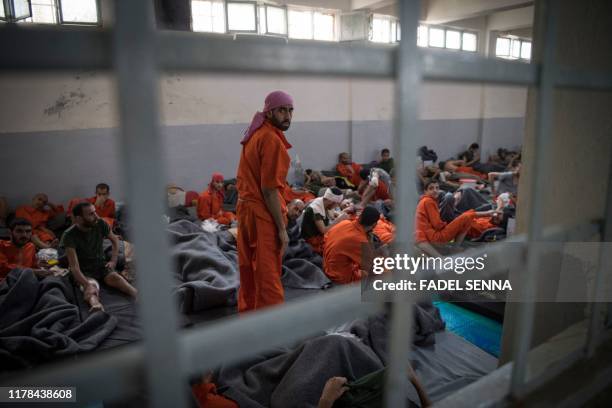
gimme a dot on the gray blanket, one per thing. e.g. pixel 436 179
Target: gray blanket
pixel 207 267
pixel 40 321
pixel 295 377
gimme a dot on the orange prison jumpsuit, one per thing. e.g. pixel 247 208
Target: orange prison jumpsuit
pixel 384 230
pixel 480 225
pixel 430 227
pixel 264 163
pixel 289 195
pixel 342 251
pixel 106 211
pixel 38 219
pixel 12 257
pixel 207 397
pixel 344 170
pixel 469 170
pixel 210 205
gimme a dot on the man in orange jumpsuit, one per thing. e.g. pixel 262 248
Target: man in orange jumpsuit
pixel 430 228
pixel 210 202
pixel 261 178
pixel 105 206
pixel 19 252
pixel 384 230
pixel 348 169
pixel 38 214
pixel 342 249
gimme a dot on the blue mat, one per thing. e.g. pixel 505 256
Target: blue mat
pixel 477 329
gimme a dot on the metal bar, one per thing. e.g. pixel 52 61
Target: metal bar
pixel 579 79
pixel 140 143
pixel 442 65
pixel 598 319
pixel 224 343
pixel 30 47
pixel 122 370
pixel 408 84
pixel 541 165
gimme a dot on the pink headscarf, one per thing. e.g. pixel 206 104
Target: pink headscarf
pixel 273 100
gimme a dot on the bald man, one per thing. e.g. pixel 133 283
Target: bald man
pixel 261 210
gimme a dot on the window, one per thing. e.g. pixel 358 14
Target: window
pixel 449 38
pixel 324 26
pixel 384 29
pixel 275 20
pixel 208 16
pixel 79 11
pixel 241 17
pixel 300 24
pixel 436 37
pixel 453 39
pixel 513 48
pixel 64 12
pixel 312 25
pixel 469 42
pixel 422 36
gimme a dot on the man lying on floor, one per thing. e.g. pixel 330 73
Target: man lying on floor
pixel 343 245
pixel 39 213
pixel 429 227
pixel 83 245
pixel 19 252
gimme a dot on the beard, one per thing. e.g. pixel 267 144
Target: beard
pixel 280 125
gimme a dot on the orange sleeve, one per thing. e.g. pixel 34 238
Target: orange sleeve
pixel 341 168
pixel 5 266
pixel 22 213
pixel 204 206
pixel 433 215
pixel 274 164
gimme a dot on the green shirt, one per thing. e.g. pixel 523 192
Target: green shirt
pixel 88 245
pixel 386 165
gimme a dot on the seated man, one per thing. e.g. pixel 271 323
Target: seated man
pixel 386 161
pixel 375 186
pixel 294 210
pixel 508 181
pixel 429 227
pixel 210 202
pixel 292 193
pixel 348 169
pixel 39 213
pixel 342 248
pixel 384 230
pixel 19 252
pixel 83 244
pixel 105 206
pixel 318 219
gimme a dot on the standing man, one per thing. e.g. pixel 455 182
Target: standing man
pixel 261 178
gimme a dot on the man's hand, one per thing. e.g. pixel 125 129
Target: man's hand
pixel 334 388
pixel 54 243
pixel 283 237
pixel 111 265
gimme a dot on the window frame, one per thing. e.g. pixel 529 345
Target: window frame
pixel 9 11
pixel 512 38
pixel 334 28
pixel 60 16
pixel 256 9
pixel 460 30
pixel 285 11
pixel 393 36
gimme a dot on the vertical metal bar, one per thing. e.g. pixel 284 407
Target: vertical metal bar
pixel 541 163
pixel 134 51
pixel 597 320
pixel 408 84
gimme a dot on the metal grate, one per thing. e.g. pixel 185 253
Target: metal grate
pixel 136 52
